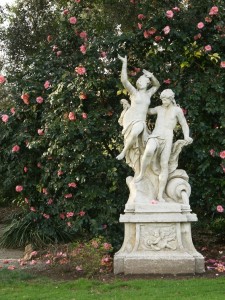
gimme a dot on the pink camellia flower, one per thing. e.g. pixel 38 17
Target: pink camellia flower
pixel 158 38
pixel 25 169
pixel 141 16
pixel 25 97
pixel 34 253
pixel 72 184
pixel 212 152
pixel 176 8
pixel 70 214
pixel 184 111
pixel 167 81
pixel 45 191
pixel 50 201
pixel 208 19
pixel 84 116
pixel 81 213
pixel 73 20
pixel 139 25
pixel 79 268
pixel 48 262
pixel 200 25
pixel 83 49
pixel 5 118
pixel 59 53
pixel 153 202
pixel 16 148
pixel 46 216
pixel 197 36
pixel 83 35
pixel 49 38
pixel 67 196
pixel 80 70
pixel 220 208
pixel 69 224
pixel 54 48
pixel 40 131
pixel 103 54
pixel 169 14
pixel 107 246
pixel 39 100
pixel 77 1
pixel 222 64
pixel 222 154
pixel 2 79
pixel 214 11
pixel 60 172
pixel 208 48
pixel 6 261
pixel 11 267
pixel 33 209
pixel 166 30
pixel 152 31
pixel 146 34
pixel 72 116
pixel 33 262
pixel 82 96
pixel 47 84
pixel 62 216
pixel 65 12
pixel 13 111
pixel 19 188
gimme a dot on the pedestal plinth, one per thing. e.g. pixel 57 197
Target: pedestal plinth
pixel 158 240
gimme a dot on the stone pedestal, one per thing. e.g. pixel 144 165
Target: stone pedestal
pixel 158 240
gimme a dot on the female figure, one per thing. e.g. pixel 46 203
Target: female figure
pixel 134 119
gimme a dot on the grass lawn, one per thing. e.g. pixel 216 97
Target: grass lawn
pixel 20 285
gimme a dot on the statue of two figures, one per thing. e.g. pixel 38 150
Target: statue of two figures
pixel 153 156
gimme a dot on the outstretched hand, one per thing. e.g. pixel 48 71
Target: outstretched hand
pixel 123 59
pixel 189 140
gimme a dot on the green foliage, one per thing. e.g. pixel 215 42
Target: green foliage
pixel 66 164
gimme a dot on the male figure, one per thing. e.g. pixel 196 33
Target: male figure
pixel 161 139
pixel 135 116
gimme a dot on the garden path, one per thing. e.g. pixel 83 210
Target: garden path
pixel 9 253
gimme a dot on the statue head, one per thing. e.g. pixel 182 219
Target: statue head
pixel 169 95
pixel 143 82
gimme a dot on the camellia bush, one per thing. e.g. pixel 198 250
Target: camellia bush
pixel 60 139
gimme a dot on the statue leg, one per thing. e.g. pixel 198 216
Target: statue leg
pixel 163 176
pixel 147 157
pixel 131 139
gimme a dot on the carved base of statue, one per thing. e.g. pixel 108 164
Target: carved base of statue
pixel 158 240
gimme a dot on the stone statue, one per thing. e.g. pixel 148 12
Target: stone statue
pixel 157 216
pixel 161 139
pixel 133 117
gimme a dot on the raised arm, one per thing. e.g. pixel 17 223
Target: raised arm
pixel 124 79
pixel 154 81
pixel 184 125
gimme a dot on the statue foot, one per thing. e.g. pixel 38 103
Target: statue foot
pixel 120 156
pixel 160 199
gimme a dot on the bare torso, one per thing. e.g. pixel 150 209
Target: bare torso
pixel 140 102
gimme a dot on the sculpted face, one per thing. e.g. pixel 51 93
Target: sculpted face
pixel 167 96
pixel 142 82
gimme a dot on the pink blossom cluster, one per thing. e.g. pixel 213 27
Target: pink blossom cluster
pixel 2 79
pixel 5 118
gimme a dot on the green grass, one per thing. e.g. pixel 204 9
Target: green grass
pixel 20 285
